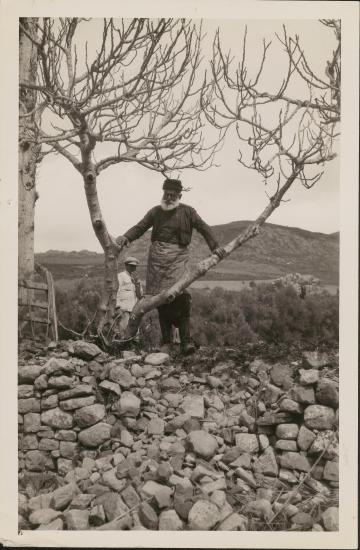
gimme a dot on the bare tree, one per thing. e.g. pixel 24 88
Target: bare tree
pixel 134 99
pixel 28 150
pixel 285 139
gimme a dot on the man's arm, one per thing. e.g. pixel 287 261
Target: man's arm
pixel 204 230
pixel 139 229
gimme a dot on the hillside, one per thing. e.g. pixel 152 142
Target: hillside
pixel 277 251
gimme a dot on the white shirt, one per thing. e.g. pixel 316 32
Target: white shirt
pixel 126 296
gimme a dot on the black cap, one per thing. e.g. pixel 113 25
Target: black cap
pixel 172 185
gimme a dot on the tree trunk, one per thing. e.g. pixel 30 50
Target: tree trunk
pixel 28 151
pixel 108 301
pixel 147 304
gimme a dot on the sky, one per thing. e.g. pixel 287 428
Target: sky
pixel 224 193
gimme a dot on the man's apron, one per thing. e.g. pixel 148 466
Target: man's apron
pixel 167 262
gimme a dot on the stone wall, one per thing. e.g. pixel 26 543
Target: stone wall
pixel 150 442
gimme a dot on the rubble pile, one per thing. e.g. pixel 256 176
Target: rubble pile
pixel 146 441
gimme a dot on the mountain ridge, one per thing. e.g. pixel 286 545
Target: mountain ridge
pixel 278 250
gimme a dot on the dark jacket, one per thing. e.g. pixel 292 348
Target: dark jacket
pixel 188 219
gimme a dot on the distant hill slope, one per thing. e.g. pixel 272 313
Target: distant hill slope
pixel 276 251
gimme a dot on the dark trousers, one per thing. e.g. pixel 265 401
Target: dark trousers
pixel 177 314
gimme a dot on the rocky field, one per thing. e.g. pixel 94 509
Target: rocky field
pixel 146 441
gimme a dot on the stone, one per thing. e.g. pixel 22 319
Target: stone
pixel 302 394
pixel 260 508
pixel 110 480
pixel 305 438
pixel 170 383
pixel 214 381
pixel 281 375
pixel 271 394
pixel 161 493
pixel 319 417
pixel 330 519
pixel 86 350
pixel 287 476
pixel 62 496
pixel 294 461
pixel 246 476
pixel 56 418
pixel 286 445
pixel 90 415
pixel 308 376
pixel 58 366
pixel 234 522
pixel 80 390
pixel 40 383
pixel 28 442
pixel 247 443
pixel 43 516
pixel 156 426
pixel 302 520
pixel 211 486
pixel 64 466
pixel 266 463
pixel 110 386
pixel 287 431
pixel 97 515
pixel 327 393
pixel 82 501
pixel 203 516
pixel 95 435
pixel 243 461
pixel 30 404
pixel 126 439
pixel 331 471
pixel 113 505
pixel 148 516
pixel 68 449
pixel 130 496
pixel 122 376
pixel 273 418
pixel 77 520
pixel 193 405
pixel 325 441
pixel 61 382
pixel 202 443
pixel 170 521
pixel 129 404
pixel 156 359
pixel 36 461
pixel 315 359
pixel 174 399
pixel 245 419
pixel 28 373
pixel 66 435
pixel 77 403
pixel 25 390
pixel 31 422
pixel 48 444
pixel 50 402
pixel 55 525
pixel 290 405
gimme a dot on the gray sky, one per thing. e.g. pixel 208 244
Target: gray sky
pixel 222 194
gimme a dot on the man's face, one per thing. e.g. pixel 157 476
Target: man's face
pixel 130 268
pixel 171 197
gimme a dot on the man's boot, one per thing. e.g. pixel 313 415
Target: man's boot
pixel 166 330
pixel 186 346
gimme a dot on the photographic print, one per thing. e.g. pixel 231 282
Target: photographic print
pixel 179 226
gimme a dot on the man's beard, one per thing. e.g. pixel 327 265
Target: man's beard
pixel 169 206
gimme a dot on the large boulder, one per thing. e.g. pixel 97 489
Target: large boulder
pixel 86 350
pixel 87 416
pixel 319 417
pixel 56 418
pixel 203 516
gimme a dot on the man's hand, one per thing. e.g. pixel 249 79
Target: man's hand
pixel 220 252
pixel 118 243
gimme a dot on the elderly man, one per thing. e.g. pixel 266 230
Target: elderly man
pixel 129 292
pixel 172 224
